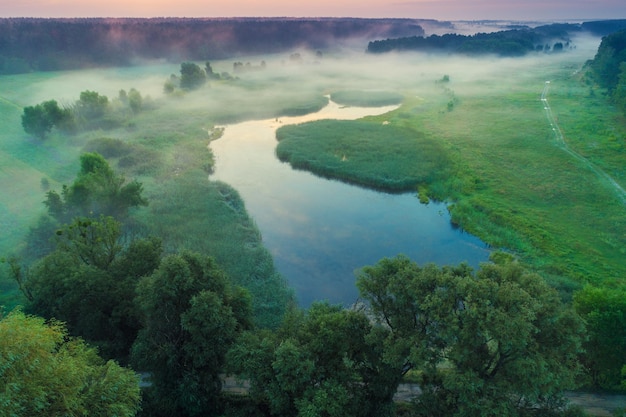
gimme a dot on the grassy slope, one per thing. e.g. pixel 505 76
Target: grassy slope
pixel 513 184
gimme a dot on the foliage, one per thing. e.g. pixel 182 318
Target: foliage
pixel 87 43
pixel 44 372
pixel 91 105
pixel 604 312
pixel 191 317
pixel 609 67
pixel 192 76
pixel 610 55
pixel 89 281
pixel 496 342
pixel 325 362
pixel 39 120
pixel 362 152
pixel 96 190
pixel 515 42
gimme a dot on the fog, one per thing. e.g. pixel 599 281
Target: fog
pixel 282 79
pixel 266 93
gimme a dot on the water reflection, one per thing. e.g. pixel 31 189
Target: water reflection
pixel 321 231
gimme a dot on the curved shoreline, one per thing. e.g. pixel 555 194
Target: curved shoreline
pixel 319 231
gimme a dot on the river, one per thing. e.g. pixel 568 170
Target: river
pixel 321 231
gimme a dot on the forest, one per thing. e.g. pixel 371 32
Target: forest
pixel 28 44
pixel 514 42
pixel 143 286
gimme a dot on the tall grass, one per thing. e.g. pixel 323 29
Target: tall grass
pixel 363 152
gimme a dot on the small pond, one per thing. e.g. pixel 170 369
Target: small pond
pixel 321 231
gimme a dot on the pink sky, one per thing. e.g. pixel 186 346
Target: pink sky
pixel 427 9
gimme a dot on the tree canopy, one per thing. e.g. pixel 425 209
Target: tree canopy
pixel 191 316
pixel 192 76
pixel 604 312
pixel 493 343
pixel 44 372
pixel 39 120
pixel 89 282
pixel 96 190
pixel 327 361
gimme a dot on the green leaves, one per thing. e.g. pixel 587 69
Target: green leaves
pixel 604 312
pixel 481 341
pixel 97 190
pixel 326 361
pixel 191 318
pixel 39 120
pixel 42 371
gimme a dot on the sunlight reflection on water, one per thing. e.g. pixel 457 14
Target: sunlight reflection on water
pixel 320 231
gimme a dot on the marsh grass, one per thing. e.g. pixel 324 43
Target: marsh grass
pixel 363 152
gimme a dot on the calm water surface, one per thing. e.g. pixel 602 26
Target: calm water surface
pixel 320 231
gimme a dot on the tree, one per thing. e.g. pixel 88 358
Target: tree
pixel 92 105
pixel 619 94
pixel 604 312
pixel 135 101
pixel 494 343
pixel 39 120
pixel 191 76
pixel 96 190
pixel 191 316
pixel 45 372
pixel 211 75
pixel 325 362
pixel 89 282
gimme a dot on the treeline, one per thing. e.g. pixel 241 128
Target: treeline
pixel 604 27
pixel 55 44
pixel 515 42
pixel 91 111
pixel 609 67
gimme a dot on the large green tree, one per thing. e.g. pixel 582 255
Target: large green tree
pixel 604 311
pixel 89 282
pixel 191 316
pixel 39 120
pixel 96 190
pixel 43 372
pixel 192 76
pixel 493 343
pixel 327 361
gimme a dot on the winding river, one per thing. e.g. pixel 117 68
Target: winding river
pixel 321 231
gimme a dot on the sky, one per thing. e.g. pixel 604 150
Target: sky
pixel 421 9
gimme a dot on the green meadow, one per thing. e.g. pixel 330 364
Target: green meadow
pixel 470 132
pixel 482 142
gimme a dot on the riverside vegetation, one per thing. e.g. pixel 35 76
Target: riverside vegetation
pixel 495 161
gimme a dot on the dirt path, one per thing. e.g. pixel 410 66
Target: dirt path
pixel 558 135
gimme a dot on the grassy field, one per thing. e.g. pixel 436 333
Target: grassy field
pixel 510 182
pixel 371 154
pixel 479 140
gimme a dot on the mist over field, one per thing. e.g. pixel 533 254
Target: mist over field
pixel 321 216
